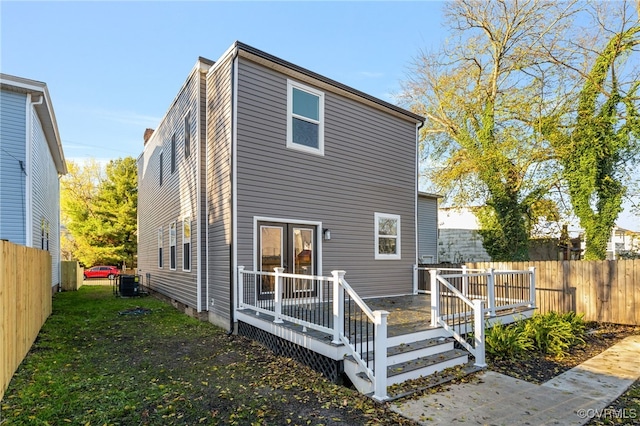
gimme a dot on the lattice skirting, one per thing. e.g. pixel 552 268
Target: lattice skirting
pixel 330 368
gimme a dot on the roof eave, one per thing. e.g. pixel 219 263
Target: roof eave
pixel 256 53
pixel 45 113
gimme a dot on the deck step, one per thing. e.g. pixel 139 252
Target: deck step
pixel 412 369
pixel 421 348
pixel 425 365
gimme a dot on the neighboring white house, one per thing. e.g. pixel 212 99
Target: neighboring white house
pixel 31 162
pixel 458 239
pixel 623 242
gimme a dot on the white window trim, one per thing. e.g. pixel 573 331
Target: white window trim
pixel 290 144
pixel 160 246
pixel 173 243
pixel 185 241
pixel 187 135
pixel 382 256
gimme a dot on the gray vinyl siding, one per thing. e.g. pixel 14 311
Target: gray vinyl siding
pixel 368 166
pixel 45 197
pixel 428 229
pixel 160 205
pixel 219 133
pixel 12 177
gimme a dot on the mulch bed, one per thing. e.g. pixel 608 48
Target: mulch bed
pixel 539 369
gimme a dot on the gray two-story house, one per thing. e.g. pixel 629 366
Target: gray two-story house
pixel 261 163
pixel 273 200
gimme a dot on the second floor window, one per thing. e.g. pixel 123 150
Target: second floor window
pixel 187 135
pixel 173 153
pixel 305 118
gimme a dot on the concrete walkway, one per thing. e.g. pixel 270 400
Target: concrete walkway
pixel 572 398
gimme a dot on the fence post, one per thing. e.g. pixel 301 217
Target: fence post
pixel 278 295
pixel 240 288
pixel 338 307
pixel 478 332
pixel 465 281
pixel 532 287
pixel 380 361
pixel 415 279
pixel 491 292
pixel 435 297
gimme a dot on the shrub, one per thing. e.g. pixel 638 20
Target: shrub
pixel 552 333
pixel 506 341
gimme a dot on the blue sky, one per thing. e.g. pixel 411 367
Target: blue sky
pixel 113 68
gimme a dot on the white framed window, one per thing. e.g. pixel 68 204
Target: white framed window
pixel 186 244
pixel 172 246
pixel 160 169
pixel 305 118
pixel 173 153
pixel 160 262
pixel 187 135
pixel 387 236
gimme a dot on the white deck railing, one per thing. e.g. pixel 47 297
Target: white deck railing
pixel 462 298
pixel 326 304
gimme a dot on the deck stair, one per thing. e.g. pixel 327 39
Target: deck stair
pixel 411 356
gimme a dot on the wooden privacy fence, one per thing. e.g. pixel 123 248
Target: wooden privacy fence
pixel 604 291
pixel 25 303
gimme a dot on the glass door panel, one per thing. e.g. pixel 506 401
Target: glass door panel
pixel 271 254
pixel 288 246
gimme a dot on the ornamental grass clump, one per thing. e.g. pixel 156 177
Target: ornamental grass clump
pixel 506 341
pixel 551 334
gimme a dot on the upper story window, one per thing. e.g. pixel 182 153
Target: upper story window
pixel 187 135
pixel 387 236
pixel 305 118
pixel 173 153
pixel 160 170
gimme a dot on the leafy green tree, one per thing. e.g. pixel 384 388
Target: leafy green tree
pixel 599 139
pixel 99 211
pixel 78 189
pixel 116 205
pixel 483 94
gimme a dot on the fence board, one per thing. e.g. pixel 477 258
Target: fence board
pixel 25 303
pixel 604 291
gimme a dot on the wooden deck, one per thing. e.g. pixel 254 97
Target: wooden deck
pixel 407 314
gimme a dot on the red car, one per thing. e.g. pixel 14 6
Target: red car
pixel 101 272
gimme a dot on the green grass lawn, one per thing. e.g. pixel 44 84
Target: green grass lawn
pixel 96 363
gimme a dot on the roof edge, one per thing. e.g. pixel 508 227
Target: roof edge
pixel 276 60
pixel 45 112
